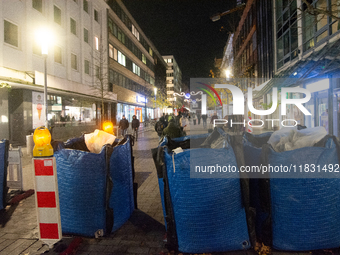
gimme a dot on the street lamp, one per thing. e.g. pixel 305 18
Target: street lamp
pixel 44 38
pixel 227 73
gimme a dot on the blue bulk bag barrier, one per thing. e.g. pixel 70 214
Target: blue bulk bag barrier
pixel 121 172
pixel 191 140
pixel 203 214
pixel 209 214
pixel 305 213
pixel 4 146
pixel 82 191
pixel 252 149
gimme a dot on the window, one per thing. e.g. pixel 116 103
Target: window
pixel 316 28
pixel 96 16
pixel 74 63
pixel 110 51
pixel 150 51
pixel 73 27
pixel 121 58
pixel 87 67
pixel 37 48
pixel 113 52
pixel 86 35
pixel 121 36
pixel 37 4
pixel 57 15
pixel 143 59
pixel 96 42
pixel 86 6
pixel 135 32
pixel 11 33
pixel 287 32
pixel 57 55
pixel 136 69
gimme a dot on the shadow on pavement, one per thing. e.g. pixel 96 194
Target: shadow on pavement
pixel 146 223
pixel 5 215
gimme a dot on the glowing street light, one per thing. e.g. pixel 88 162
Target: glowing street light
pixel 44 37
pixel 227 73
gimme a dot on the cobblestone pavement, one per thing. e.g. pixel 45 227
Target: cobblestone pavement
pixel 142 234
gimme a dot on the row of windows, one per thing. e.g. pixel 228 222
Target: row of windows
pixel 11 35
pixel 118 33
pixel 123 60
pixel 122 81
pixel 125 19
pixel 38 5
pixel 314 28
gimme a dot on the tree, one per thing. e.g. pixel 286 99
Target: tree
pixel 100 82
pixel 161 100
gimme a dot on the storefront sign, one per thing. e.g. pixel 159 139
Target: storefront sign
pixel 141 99
pixel 38 110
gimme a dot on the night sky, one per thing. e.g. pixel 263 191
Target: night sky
pixel 183 28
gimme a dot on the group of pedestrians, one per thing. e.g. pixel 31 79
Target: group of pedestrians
pixel 124 125
pixel 172 126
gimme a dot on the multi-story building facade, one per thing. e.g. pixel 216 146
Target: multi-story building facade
pixel 100 65
pixel 79 34
pixel 306 47
pixel 133 64
pixel 173 77
pixel 253 44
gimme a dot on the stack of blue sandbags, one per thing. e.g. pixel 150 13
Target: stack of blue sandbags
pixel 95 190
pixel 303 211
pixel 203 213
pixel 4 146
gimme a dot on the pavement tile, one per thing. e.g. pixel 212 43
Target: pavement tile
pixel 19 246
pixel 5 244
pixel 136 250
pixel 116 249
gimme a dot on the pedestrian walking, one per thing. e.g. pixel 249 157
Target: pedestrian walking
pixel 214 117
pixel 204 119
pixel 172 130
pixel 183 123
pixel 198 118
pixel 194 119
pixel 123 125
pixel 135 126
pixel 159 126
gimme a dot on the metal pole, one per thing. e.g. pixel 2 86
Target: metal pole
pixel 45 90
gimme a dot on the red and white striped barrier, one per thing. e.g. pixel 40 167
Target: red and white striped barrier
pixel 250 128
pixel 47 200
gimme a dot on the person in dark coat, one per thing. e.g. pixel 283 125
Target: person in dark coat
pixel 198 118
pixel 135 126
pixel 123 125
pixel 159 126
pixel 166 118
pixel 172 130
pixel 204 118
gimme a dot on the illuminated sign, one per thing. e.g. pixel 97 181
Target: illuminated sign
pixel 141 99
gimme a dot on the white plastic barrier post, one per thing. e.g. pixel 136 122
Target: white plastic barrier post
pixel 47 200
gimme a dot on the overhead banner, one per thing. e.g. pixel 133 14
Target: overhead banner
pixel 38 110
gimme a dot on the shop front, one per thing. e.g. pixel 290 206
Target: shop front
pixel 68 115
